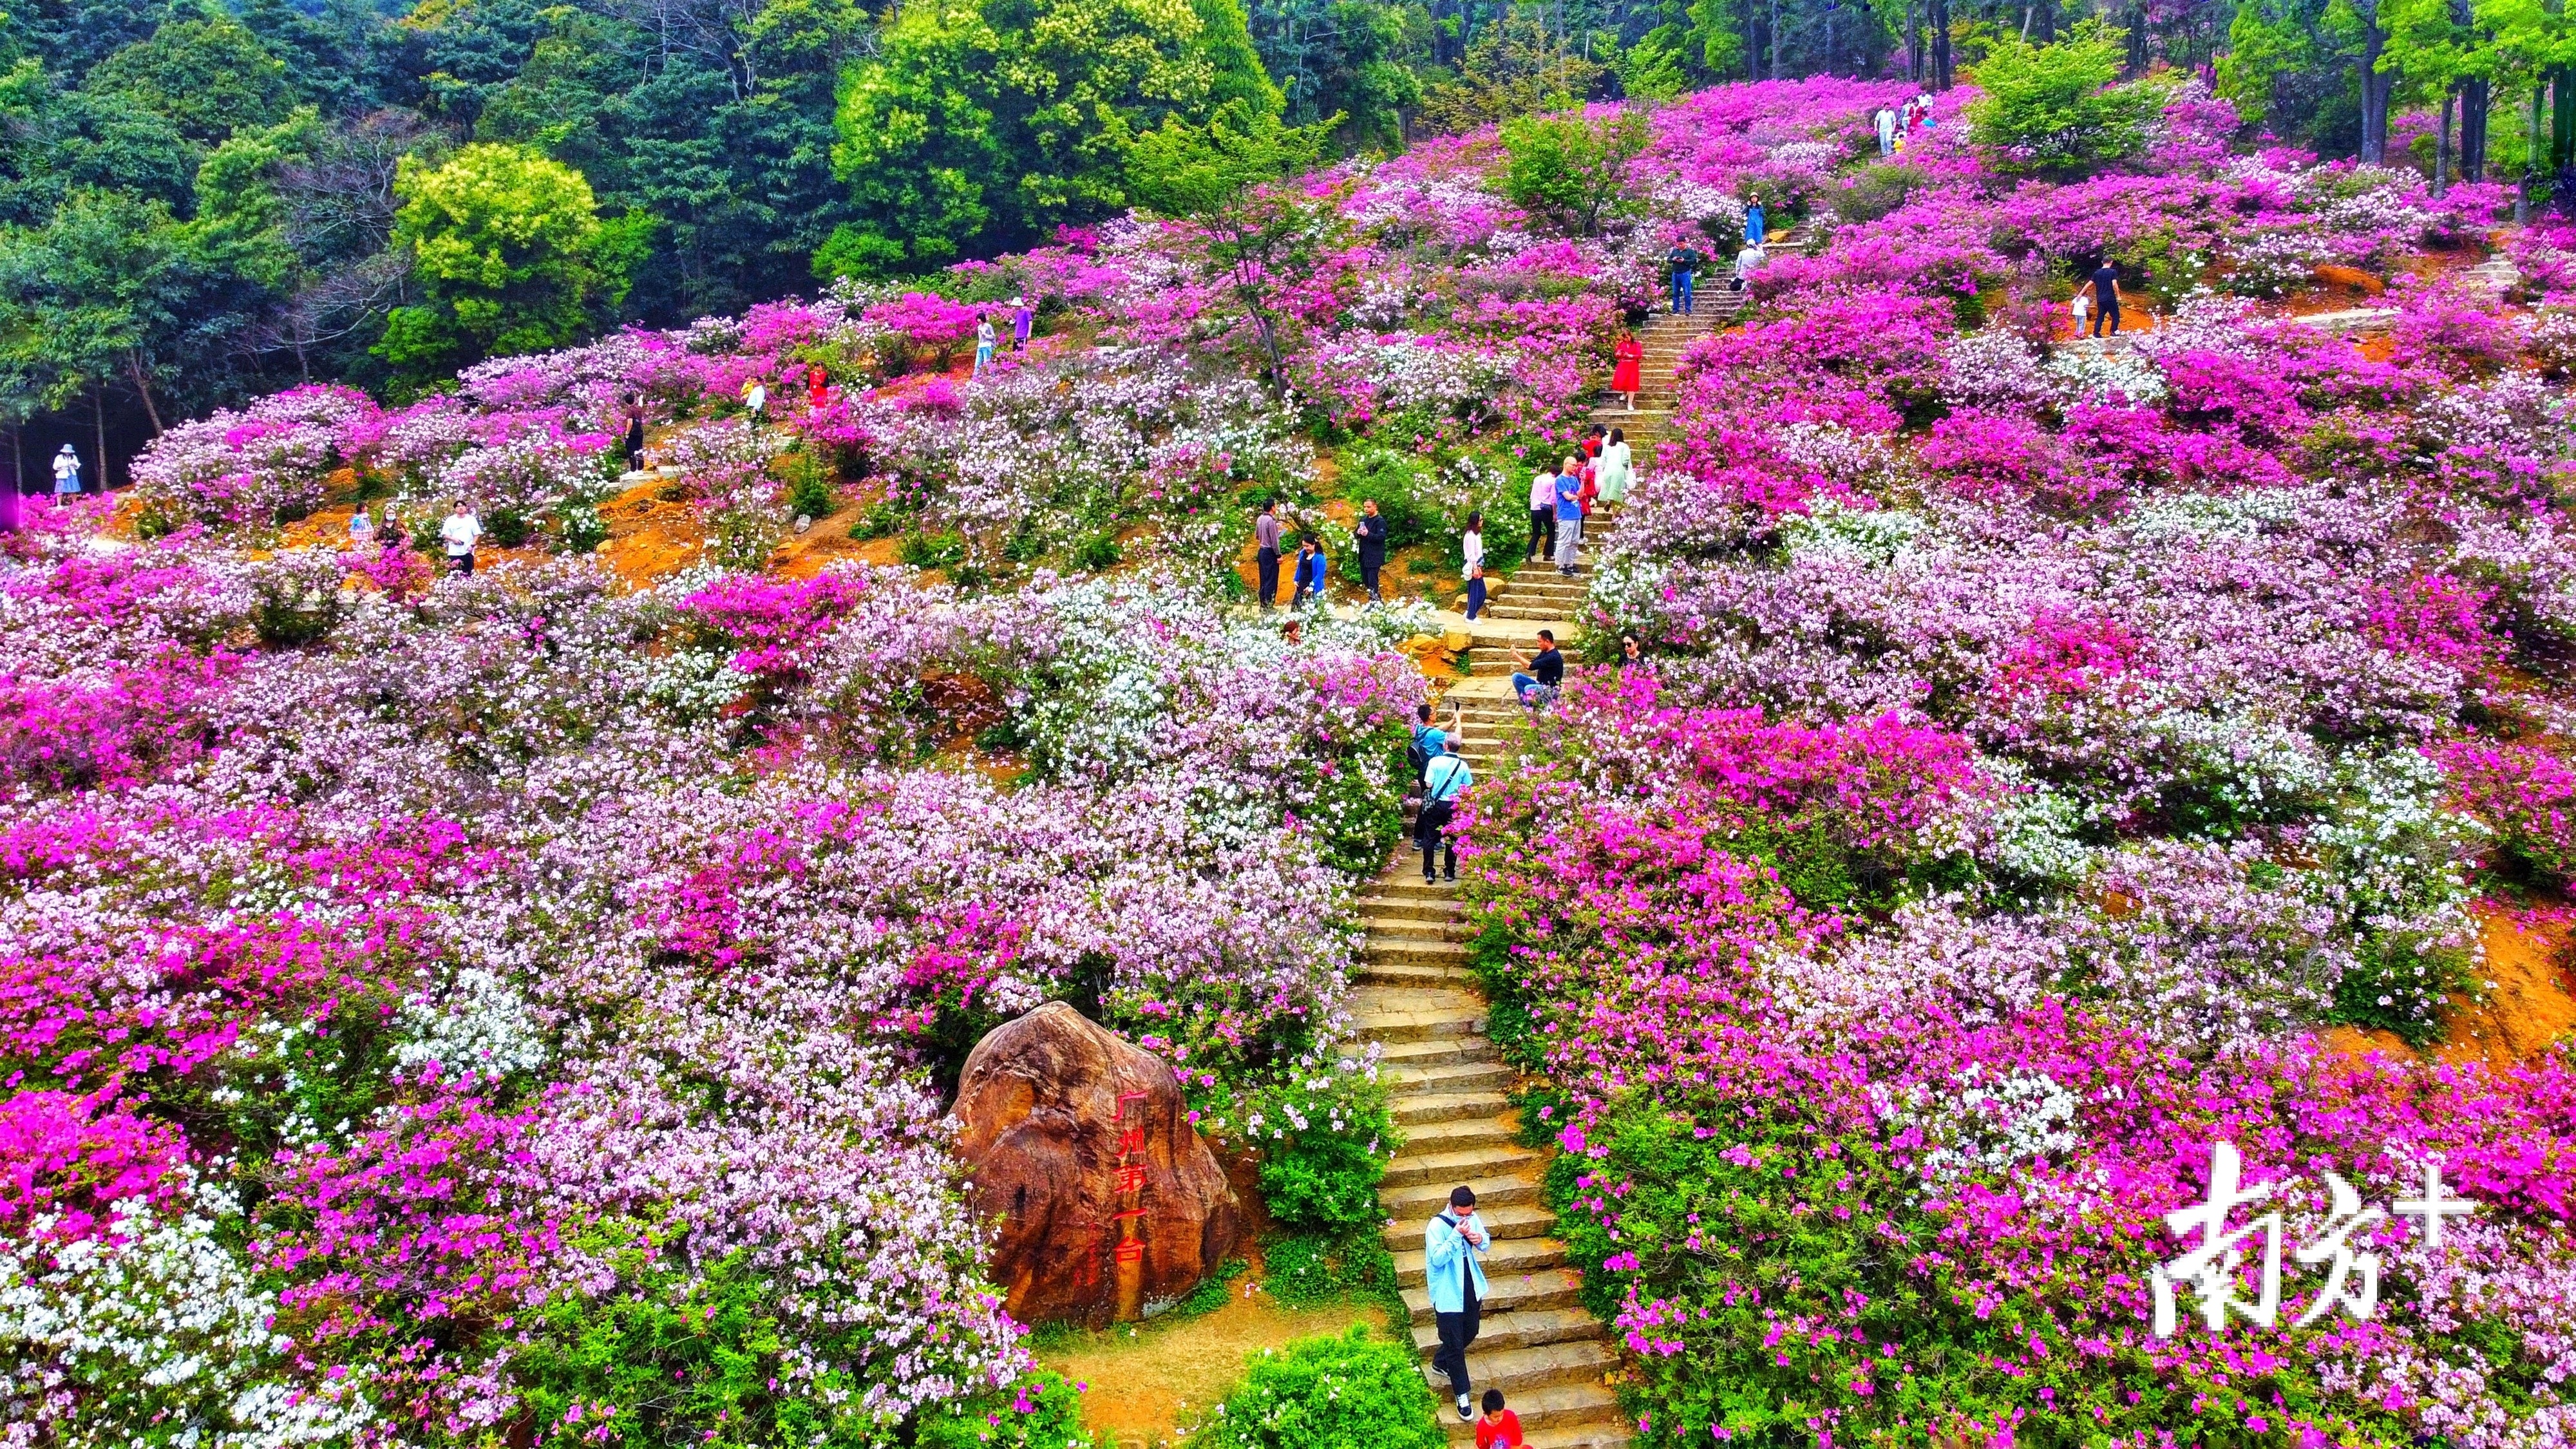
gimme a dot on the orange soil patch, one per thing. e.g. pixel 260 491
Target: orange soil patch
pixel 2530 1005
pixel 651 537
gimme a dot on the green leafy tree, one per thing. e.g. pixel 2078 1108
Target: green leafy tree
pixel 2535 46
pixel 70 36
pixel 979 124
pixel 2054 110
pixel 1258 238
pixel 509 250
pixel 206 75
pixel 1571 172
pixel 115 292
pixel 1517 67
pixel 58 142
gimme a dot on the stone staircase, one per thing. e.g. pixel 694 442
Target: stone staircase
pixel 1537 591
pixel 1538 1344
pixel 1665 337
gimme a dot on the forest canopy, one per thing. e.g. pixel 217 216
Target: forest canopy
pixel 203 199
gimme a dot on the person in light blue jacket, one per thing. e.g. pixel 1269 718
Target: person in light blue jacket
pixel 1453 1270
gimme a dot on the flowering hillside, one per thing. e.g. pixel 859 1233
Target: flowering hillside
pixel 519 1007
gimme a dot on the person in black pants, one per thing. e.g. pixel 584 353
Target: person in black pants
pixel 1370 531
pixel 1265 532
pixel 2106 297
pixel 1453 1274
pixel 1443 781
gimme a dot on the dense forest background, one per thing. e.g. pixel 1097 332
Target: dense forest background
pixel 200 200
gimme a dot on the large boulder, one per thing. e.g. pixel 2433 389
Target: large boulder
pixel 1110 1207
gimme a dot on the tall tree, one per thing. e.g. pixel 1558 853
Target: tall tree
pixel 510 254
pixel 979 124
pixel 1258 238
pixel 205 75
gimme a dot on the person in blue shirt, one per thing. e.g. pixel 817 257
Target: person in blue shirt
pixel 1453 1271
pixel 1443 781
pixel 1569 514
pixel 1310 571
pixel 1757 226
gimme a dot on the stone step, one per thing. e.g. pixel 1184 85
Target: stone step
pixel 1514 1262
pixel 1516 1326
pixel 1439 1079
pixel 1404 883
pixel 1438 1049
pixel 1517 1190
pixel 1383 908
pixel 1555 1408
pixel 1375 1001
pixel 1413 973
pixel 1521 1368
pixel 1431 925
pixel 1417 949
pixel 1432 1158
pixel 1546 1290
pixel 1504 1222
pixel 1607 1434
pixel 1425 1111
pixel 1501 1131
pixel 1419 1025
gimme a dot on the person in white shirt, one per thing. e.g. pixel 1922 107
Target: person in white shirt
pixel 66 471
pixel 1618 462
pixel 1747 262
pixel 1471 544
pixel 755 397
pixel 459 534
pixel 1886 131
pixel 1542 514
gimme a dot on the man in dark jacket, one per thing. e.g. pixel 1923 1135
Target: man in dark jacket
pixel 1370 532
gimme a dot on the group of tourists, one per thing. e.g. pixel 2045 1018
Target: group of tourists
pixel 1898 124
pixel 1561 498
pixel 1683 262
pixel 988 337
pixel 1312 568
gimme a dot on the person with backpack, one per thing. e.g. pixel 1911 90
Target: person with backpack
pixel 1453 1269
pixel 1443 781
pixel 1428 741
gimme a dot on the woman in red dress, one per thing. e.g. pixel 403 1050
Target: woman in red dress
pixel 1631 359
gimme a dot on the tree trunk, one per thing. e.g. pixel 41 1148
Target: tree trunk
pixel 98 414
pixel 2374 93
pixel 1913 45
pixel 2047 11
pixel 134 369
pixel 2442 149
pixel 2474 101
pixel 1940 45
pixel 2530 161
pixel 2562 137
pixel 1775 39
pixel 2137 41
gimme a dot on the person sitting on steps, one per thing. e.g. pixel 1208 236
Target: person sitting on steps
pixel 1545 671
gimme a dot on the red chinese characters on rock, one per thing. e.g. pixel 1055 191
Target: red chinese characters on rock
pixel 1108 1205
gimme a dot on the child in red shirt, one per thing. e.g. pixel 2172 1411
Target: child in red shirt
pixel 1500 1428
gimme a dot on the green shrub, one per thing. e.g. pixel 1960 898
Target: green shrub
pixel 1325 1141
pixel 932 550
pixel 1098 551
pixel 1400 490
pixel 508 526
pixel 811 493
pixel 1571 172
pixel 2053 110
pixel 1348 1392
pixel 1044 1412
pixel 1304 1269
pixel 878 520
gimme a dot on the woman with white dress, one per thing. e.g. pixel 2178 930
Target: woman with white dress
pixel 1617 464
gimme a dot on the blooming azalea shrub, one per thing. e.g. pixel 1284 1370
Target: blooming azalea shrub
pixel 1350 1389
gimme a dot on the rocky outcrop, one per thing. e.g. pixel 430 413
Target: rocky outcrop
pixel 1109 1205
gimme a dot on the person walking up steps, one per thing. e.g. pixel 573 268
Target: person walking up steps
pixel 1682 261
pixel 1569 514
pixel 1627 367
pixel 1542 514
pixel 1443 781
pixel 1453 1268
pixel 1618 464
